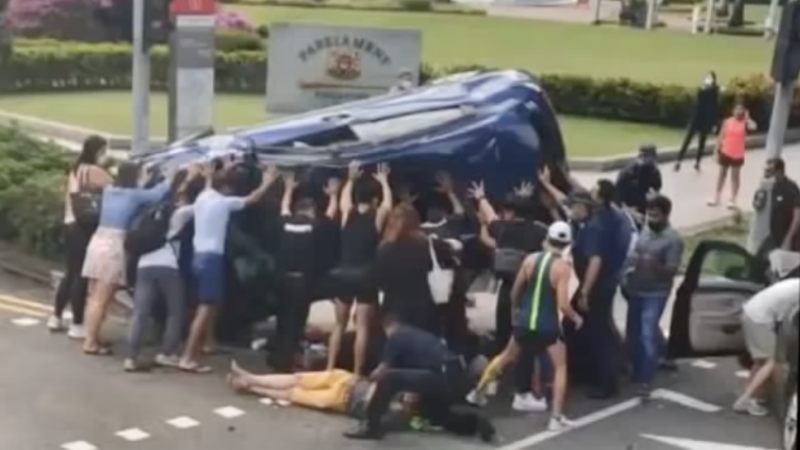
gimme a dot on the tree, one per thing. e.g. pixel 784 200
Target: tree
pixel 5 35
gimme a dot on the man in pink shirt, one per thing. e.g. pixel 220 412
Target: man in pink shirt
pixel 730 152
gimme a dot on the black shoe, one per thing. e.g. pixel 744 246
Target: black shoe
pixel 677 167
pixel 363 432
pixel 645 392
pixel 486 431
pixel 602 394
pixel 668 365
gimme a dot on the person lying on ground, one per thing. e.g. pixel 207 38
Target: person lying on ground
pixel 335 390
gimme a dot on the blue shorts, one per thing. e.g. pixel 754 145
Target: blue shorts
pixel 208 271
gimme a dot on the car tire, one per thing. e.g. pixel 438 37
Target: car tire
pixel 790 424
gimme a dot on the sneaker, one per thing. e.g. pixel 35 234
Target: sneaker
pixel 167 361
pixel 751 407
pixel 76 332
pixel 477 398
pixel 559 423
pixel 486 431
pixel 492 388
pixel 645 392
pixel 56 325
pixel 528 403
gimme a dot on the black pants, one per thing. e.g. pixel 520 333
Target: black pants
pixel 702 134
pixel 603 344
pixel 438 393
pixel 72 289
pixel 293 310
pixel 502 317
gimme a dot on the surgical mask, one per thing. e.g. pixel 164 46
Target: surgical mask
pixel 708 81
pixel 656 226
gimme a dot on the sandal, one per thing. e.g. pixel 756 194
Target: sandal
pixel 195 368
pixel 99 351
pixel 172 362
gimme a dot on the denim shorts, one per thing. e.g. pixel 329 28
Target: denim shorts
pixel 208 271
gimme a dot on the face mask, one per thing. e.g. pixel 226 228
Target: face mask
pixel 656 226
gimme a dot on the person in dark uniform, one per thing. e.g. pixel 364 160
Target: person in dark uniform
pixel 704 118
pixel 417 362
pixel 365 204
pixel 640 179
pixel 303 231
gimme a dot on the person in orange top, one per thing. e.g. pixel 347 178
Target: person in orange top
pixel 730 152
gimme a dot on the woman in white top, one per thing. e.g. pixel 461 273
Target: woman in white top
pixel 86 174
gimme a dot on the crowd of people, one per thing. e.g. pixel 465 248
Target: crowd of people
pixel 403 261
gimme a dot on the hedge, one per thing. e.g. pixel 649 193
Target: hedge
pixel 424 6
pixel 108 66
pixel 31 193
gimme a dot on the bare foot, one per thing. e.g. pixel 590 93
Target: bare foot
pixel 237 383
pixel 237 370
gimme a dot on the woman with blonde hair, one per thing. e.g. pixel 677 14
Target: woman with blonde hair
pixel 106 260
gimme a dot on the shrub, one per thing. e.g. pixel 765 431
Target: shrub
pixel 232 20
pixel 57 19
pixel 31 192
pixel 417 5
pixel 107 66
pixel 237 40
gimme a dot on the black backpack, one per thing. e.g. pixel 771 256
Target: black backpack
pixel 148 231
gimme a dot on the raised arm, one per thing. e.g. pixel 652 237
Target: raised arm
pixel 446 187
pixel 546 183
pixel 485 236
pixel 289 186
pixel 478 192
pixel 332 191
pixel 387 202
pixel 268 177
pixel 346 196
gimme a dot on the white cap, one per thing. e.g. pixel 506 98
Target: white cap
pixel 560 232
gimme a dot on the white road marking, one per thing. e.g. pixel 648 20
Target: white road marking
pixel 133 435
pixel 229 412
pixel 703 364
pixel 585 421
pixel 267 401
pixel 744 374
pixel 79 445
pixel 183 423
pixel 283 403
pixel 26 322
pixel 685 400
pixel 691 444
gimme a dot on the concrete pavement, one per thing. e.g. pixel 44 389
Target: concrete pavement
pixel 54 397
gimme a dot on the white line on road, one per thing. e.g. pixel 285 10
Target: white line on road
pixel 26 322
pixel 685 400
pixel 79 445
pixel 585 421
pixel 183 423
pixel 703 364
pixel 133 435
pixel 229 412
pixel 744 374
pixel 691 444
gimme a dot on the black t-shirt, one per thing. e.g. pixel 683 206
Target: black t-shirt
pixel 400 270
pixel 785 199
pixel 301 239
pixel 521 235
pixel 360 239
pixel 412 348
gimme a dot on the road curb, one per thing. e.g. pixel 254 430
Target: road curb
pixel 64 132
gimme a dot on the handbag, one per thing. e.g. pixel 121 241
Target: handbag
pixel 440 280
pixel 85 203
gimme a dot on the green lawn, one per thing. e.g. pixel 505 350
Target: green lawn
pixel 111 112
pixel 735 232
pixel 549 47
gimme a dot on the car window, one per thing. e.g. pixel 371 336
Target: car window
pixel 731 265
pixel 410 123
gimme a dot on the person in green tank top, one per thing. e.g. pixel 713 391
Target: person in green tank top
pixel 540 297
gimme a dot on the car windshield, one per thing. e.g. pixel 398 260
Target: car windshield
pixel 411 123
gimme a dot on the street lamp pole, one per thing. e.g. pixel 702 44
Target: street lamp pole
pixel 140 141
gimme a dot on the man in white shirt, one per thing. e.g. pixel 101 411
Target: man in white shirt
pixel 760 320
pixel 212 211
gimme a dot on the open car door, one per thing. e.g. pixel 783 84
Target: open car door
pixel 706 320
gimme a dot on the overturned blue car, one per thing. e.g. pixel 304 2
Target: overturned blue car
pixel 498 127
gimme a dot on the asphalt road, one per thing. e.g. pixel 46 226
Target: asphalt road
pixel 52 397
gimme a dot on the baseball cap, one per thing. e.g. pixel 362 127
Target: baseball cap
pixel 560 232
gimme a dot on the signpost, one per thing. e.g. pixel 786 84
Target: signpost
pixel 140 141
pixel 315 66
pixel 192 50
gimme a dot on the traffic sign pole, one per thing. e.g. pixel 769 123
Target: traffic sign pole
pixel 140 141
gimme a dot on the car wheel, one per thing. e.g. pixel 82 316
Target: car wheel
pixel 790 425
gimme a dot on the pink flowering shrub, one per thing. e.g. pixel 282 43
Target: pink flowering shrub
pixel 57 19
pixel 75 20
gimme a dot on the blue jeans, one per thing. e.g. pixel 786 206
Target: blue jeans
pixel 644 333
